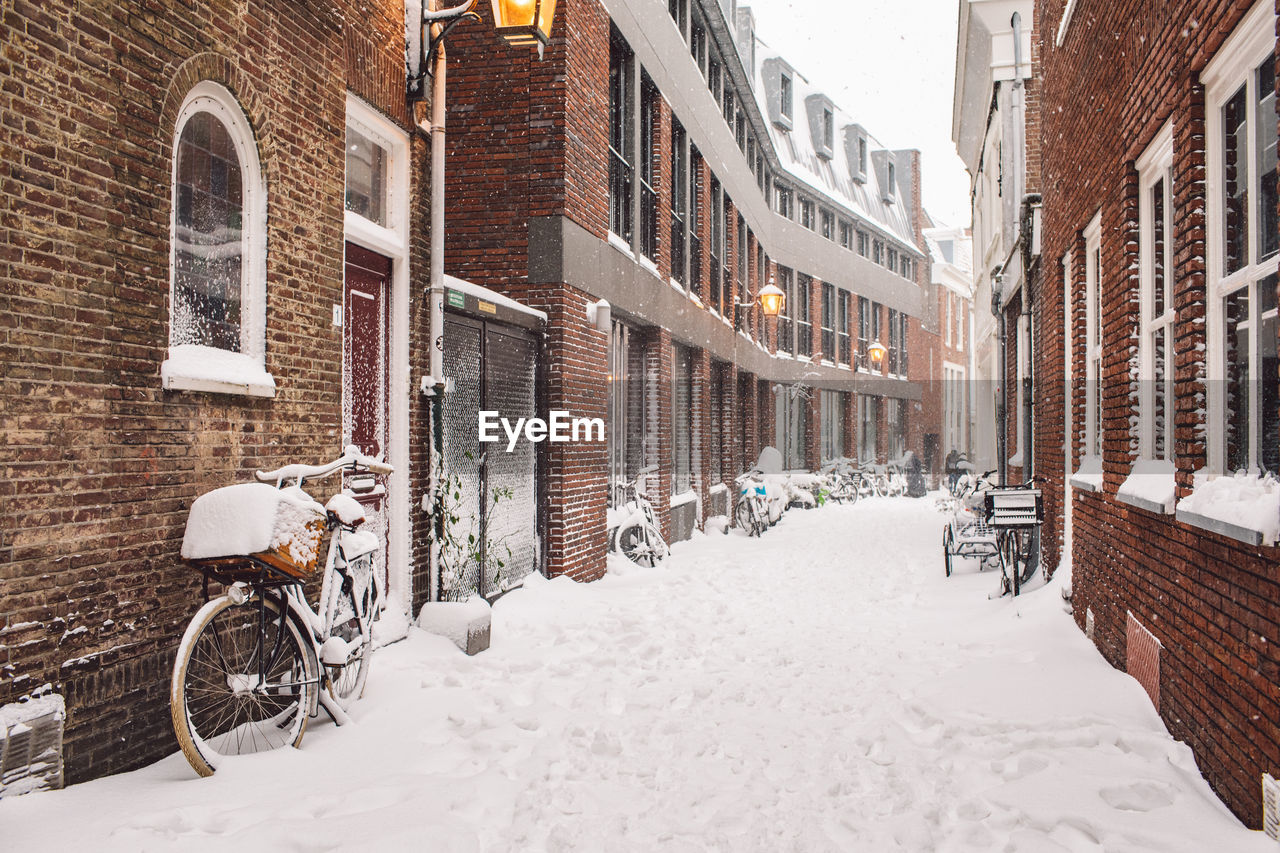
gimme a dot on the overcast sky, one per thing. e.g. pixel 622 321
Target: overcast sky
pixel 891 65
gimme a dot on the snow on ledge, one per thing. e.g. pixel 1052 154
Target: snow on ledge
pixel 192 367
pixel 1150 486
pixel 464 286
pixel 1088 477
pixel 1245 507
pixel 684 498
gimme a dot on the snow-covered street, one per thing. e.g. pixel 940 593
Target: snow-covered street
pixel 823 688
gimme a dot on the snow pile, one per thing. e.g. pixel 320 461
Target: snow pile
pixel 1245 500
pixel 823 688
pixel 210 364
pixel 458 621
pixel 250 518
pixel 1151 480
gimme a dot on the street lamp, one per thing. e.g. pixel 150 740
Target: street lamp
pixel 877 353
pixel 772 299
pixel 523 22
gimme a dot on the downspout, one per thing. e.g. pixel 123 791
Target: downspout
pixel 997 308
pixel 1020 182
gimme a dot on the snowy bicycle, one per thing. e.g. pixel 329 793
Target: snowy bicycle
pixel 1016 514
pixel 256 662
pixel 752 510
pixel 632 523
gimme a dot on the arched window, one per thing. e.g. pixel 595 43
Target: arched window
pixel 217 295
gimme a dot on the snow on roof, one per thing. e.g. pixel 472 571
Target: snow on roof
pixel 961 247
pixel 831 177
pixel 464 286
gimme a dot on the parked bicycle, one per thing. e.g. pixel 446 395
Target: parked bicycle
pixel 752 510
pixel 633 525
pixel 256 662
pixel 842 480
pixel 1016 512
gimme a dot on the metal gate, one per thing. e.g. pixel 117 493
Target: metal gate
pixel 492 542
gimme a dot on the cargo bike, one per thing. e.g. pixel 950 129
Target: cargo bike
pixel 257 661
pixel 999 527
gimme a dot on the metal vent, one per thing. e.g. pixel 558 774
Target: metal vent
pixel 1088 622
pixel 1270 806
pixel 1142 657
pixel 31 745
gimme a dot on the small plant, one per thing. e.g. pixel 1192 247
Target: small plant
pixel 462 549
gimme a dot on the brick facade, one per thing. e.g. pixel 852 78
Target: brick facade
pixel 1122 72
pixel 100 463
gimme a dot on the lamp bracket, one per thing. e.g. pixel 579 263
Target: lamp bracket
pixel 450 18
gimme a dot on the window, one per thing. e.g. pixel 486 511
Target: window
pixel 726 274
pixel 806 214
pixel 846 235
pixel 682 454
pixel 698 43
pixel 828 131
pixel 679 11
pixel 1243 241
pixel 892 182
pixel 743 269
pixel 784 202
pixel 713 74
pixel 628 393
pixel 947 331
pixel 218 250
pixel 842 328
pixel 863 243
pixel 727 102
pixel 717 247
pixel 695 221
pixel 864 331
pixel 831 412
pixel 903 319
pixel 827 221
pixel 828 322
pixel 741 124
pixel 897 428
pixel 784 96
pixel 862 155
pixel 786 337
pixel 621 144
pixel 648 156
pixel 804 320
pixel 1093 339
pixel 960 305
pixel 679 196
pixel 1155 276
pixel 868 422
pixel 891 259
pixel 877 252
pixel 893 341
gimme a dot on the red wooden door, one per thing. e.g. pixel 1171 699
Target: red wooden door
pixel 365 356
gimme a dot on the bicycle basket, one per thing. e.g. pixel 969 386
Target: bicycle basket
pixel 281 528
pixel 1014 507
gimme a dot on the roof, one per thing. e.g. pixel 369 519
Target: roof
pixel 830 178
pixel 956 273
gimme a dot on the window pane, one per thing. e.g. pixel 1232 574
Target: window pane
pixel 1235 425
pixel 1159 418
pixel 1269 378
pixel 1268 236
pixel 208 211
pixel 1157 247
pixel 1235 182
pixel 366 177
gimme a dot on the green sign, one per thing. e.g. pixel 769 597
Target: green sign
pixel 456 299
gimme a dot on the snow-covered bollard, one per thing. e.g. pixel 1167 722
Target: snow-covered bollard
pixel 466 623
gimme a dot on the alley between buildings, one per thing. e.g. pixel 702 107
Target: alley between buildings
pixel 822 688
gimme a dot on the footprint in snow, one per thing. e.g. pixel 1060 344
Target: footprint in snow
pixel 1139 796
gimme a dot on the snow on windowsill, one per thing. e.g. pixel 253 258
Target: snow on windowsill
pixel 1150 486
pixel 191 367
pixel 719 487
pixel 650 265
pixel 684 498
pixel 621 245
pixel 676 285
pixel 1244 507
pixel 1088 477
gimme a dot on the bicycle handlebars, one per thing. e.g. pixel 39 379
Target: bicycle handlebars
pixel 351 457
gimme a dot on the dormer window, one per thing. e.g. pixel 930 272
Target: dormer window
pixel 784 97
pixel 822 124
pixel 891 184
pixel 828 130
pixel 855 152
pixel 862 155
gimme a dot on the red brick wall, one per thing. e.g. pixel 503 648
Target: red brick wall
pixel 1124 69
pixel 100 463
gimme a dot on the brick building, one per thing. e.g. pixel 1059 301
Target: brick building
pixel 662 158
pixel 1157 317
pixel 178 256
pixel 951 262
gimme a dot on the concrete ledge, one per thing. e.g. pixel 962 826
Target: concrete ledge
pixel 1247 535
pixel 1142 503
pixel 1083 485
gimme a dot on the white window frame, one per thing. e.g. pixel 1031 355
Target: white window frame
pixel 1155 166
pixel 950 299
pixel 960 304
pixel 1092 438
pixel 192 367
pixel 1233 66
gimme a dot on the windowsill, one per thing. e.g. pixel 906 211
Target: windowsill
pixel 1085 483
pixel 1240 507
pixel 1247 535
pixel 191 367
pixel 650 265
pixel 621 245
pixel 676 285
pixel 1150 486
pixel 684 498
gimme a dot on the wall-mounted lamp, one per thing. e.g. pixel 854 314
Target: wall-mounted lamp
pixel 772 299
pixel 599 314
pixel 877 353
pixel 523 22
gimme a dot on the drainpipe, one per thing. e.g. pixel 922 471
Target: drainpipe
pixel 997 308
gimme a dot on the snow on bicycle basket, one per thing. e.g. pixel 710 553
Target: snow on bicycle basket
pixel 1014 507
pixel 279 527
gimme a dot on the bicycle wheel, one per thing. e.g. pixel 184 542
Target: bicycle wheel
pixel 746 518
pixel 345 654
pixel 635 546
pixel 948 542
pixel 1009 555
pixel 240 684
